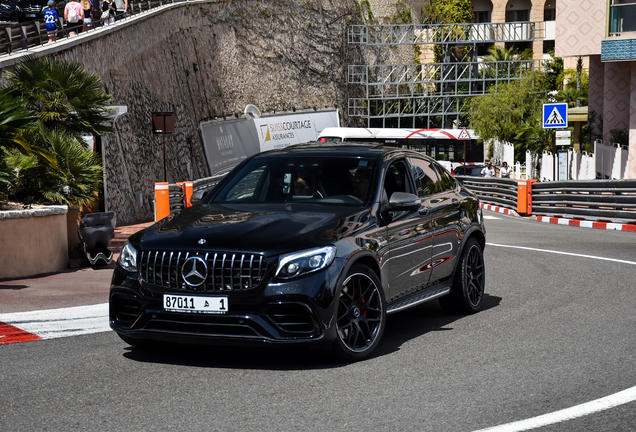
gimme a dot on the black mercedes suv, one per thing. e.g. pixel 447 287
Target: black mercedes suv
pixel 313 244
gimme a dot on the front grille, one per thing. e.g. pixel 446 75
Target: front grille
pixel 225 271
pixel 31 8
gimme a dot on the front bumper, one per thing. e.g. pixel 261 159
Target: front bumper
pixel 293 312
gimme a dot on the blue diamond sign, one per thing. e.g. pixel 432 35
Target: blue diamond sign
pixel 555 115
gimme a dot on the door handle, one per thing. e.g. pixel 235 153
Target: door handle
pixel 455 202
pixel 423 211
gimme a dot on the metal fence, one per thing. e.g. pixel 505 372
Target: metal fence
pixel 22 36
pixel 498 191
pixel 592 199
pixel 613 200
pixel 596 199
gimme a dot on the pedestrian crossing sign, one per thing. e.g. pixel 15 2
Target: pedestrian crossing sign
pixel 555 115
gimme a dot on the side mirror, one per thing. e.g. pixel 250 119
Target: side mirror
pixel 198 196
pixel 404 201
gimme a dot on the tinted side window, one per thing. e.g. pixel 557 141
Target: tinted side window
pixel 447 182
pixel 395 179
pixel 426 179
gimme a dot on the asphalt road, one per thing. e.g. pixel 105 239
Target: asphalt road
pixel 558 330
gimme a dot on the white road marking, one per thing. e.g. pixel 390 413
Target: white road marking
pixel 611 401
pixel 490 217
pixel 56 323
pixel 564 253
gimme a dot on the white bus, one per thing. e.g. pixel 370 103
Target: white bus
pixel 443 145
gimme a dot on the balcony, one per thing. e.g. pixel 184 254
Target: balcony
pixel 621 41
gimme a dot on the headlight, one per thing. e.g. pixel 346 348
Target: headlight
pixel 304 262
pixel 128 258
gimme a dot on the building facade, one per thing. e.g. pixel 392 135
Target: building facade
pixel 537 11
pixel 605 30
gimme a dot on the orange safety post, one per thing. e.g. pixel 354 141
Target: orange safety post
pixel 187 189
pixel 524 196
pixel 162 200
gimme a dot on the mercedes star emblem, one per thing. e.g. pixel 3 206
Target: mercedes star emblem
pixel 194 271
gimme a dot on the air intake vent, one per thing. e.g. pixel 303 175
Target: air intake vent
pixel 126 309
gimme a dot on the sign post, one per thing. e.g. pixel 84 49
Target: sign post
pixel 163 123
pixel 555 116
pixel 464 136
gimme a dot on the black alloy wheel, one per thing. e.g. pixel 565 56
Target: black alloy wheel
pixel 468 287
pixel 361 314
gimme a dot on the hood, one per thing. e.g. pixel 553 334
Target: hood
pixel 269 230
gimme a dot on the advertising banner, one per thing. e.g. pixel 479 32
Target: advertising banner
pixel 278 132
pixel 229 142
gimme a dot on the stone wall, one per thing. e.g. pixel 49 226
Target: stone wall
pixel 202 60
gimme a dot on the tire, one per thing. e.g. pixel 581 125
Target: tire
pixel 467 291
pixel 361 314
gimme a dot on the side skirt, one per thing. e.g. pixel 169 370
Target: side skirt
pixel 417 299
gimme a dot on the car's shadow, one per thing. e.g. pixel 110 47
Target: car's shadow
pixel 401 328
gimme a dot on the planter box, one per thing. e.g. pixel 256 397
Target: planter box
pixel 33 242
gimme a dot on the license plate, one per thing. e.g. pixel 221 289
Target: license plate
pixel 195 304
pixel 30 15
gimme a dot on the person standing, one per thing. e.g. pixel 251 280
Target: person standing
pixel 109 10
pixel 122 8
pixel 74 15
pixel 488 171
pixel 50 19
pixel 88 21
pixel 505 170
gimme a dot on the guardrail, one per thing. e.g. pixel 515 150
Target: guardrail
pixel 498 191
pixel 598 199
pixel 22 36
pixel 613 200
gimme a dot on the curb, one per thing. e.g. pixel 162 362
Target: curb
pixel 588 224
pixel 564 221
pixel 499 209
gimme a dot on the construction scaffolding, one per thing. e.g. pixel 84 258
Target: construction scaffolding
pixel 434 94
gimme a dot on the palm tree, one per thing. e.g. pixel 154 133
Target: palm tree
pixel 503 63
pixel 64 95
pixel 571 95
pixel 14 119
pixel 78 172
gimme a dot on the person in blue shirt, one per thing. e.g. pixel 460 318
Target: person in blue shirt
pixel 51 18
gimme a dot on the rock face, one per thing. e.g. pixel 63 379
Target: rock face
pixel 208 59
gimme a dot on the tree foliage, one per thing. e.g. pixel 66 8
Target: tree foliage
pixel 43 112
pixel 62 94
pixel 447 12
pixel 511 112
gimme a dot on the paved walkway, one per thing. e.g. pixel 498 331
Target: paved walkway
pixel 73 287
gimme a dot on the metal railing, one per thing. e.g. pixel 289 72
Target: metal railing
pixel 497 191
pixel 409 34
pixel 22 36
pixel 613 200
pixel 597 199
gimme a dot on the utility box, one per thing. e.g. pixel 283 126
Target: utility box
pixel 524 196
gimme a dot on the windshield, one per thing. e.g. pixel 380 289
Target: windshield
pixel 300 179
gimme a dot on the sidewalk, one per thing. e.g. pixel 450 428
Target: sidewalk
pixel 73 287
